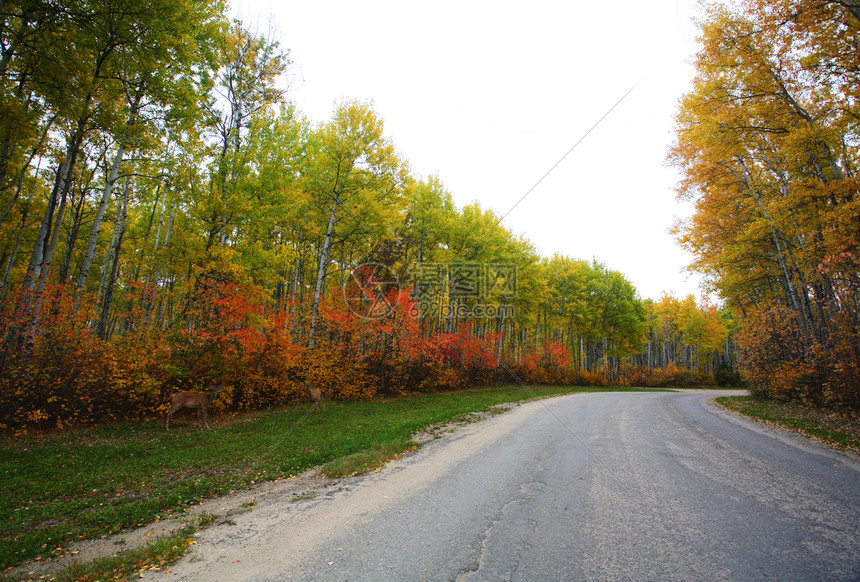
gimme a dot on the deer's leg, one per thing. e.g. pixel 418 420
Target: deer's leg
pixel 167 416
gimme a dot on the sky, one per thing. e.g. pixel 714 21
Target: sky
pixel 489 96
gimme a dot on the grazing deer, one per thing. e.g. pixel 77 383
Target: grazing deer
pixel 315 394
pixel 198 400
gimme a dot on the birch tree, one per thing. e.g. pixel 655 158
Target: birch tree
pixel 355 175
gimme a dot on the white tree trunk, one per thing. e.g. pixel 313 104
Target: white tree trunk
pixel 321 271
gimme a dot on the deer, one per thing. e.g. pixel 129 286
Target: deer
pixel 198 400
pixel 315 394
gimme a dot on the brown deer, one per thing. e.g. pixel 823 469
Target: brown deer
pixel 315 394
pixel 198 400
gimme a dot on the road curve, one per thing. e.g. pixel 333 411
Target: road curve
pixel 600 486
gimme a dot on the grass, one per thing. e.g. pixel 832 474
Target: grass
pixel 839 430
pixel 153 556
pixel 373 457
pixel 59 488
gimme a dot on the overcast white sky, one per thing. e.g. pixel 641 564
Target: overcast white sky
pixel 489 95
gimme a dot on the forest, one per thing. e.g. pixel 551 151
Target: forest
pixel 767 143
pixel 170 220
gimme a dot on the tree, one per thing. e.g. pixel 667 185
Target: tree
pixel 354 172
pixel 247 84
pixel 766 142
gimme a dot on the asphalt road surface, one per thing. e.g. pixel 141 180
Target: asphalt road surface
pixel 604 486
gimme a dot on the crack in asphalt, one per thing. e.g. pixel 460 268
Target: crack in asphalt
pixel 528 491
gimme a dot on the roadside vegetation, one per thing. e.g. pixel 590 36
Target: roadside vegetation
pixel 766 144
pixel 152 240
pixel 62 487
pixel 841 430
pixel 122 566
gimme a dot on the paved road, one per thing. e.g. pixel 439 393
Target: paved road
pixel 611 486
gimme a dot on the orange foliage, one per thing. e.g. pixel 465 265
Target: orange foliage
pixel 772 353
pixel 227 334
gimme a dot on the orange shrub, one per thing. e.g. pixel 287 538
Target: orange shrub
pixel 587 378
pixel 450 379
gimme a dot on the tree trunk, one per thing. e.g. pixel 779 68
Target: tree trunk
pixel 26 165
pixel 39 247
pixel 5 286
pixel 90 253
pixel 113 262
pixel 321 271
